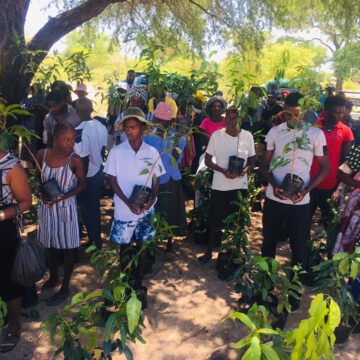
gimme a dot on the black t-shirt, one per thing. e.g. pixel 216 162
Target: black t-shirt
pixel 268 112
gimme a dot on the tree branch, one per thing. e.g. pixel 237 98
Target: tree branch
pixel 67 21
pixel 323 43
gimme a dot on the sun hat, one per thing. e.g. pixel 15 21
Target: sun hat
pixel 199 96
pixel 212 100
pixel 81 87
pixel 134 113
pixel 163 111
pixel 232 107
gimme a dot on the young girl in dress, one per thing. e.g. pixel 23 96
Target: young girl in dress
pixel 58 222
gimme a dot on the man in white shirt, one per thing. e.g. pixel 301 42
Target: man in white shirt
pixel 90 143
pixel 295 212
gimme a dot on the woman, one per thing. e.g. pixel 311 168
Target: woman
pixel 136 97
pixel 165 140
pixel 58 222
pixel 349 232
pixel 14 191
pixel 225 186
pixel 214 109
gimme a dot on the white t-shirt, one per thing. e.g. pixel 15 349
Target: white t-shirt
pixel 128 167
pixel 276 140
pixel 221 146
pixel 91 137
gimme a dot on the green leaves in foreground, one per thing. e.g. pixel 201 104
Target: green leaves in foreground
pixel 133 311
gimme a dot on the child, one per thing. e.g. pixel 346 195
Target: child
pixel 132 163
pixel 58 222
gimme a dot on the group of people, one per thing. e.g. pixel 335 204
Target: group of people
pixel 144 151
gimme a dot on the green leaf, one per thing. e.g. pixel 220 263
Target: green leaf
pixel 269 352
pixel 243 342
pixel 344 266
pixel 255 348
pixel 354 270
pixel 77 298
pixel 133 311
pixel 244 319
pixel 128 354
pixel 93 295
pixel 267 331
pixel 110 326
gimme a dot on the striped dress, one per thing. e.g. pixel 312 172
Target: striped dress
pixel 58 224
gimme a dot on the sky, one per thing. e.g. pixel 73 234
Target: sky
pixel 38 16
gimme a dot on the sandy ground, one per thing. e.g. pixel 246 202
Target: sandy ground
pixel 186 303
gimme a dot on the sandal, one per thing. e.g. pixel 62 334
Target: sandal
pixel 57 298
pixel 50 284
pixel 9 342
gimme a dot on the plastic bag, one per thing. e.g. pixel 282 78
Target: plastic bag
pixel 30 262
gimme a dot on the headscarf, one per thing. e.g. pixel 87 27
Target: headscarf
pixel 138 91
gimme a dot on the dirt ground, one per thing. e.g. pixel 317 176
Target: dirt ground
pixel 186 303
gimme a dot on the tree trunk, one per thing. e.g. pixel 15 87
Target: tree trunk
pixel 16 56
pixel 339 83
pixel 12 19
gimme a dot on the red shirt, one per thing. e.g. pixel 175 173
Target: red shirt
pixel 210 127
pixel 335 140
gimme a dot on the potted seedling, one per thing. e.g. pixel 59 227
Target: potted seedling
pixel 234 241
pixel 199 214
pixel 255 281
pixel 332 278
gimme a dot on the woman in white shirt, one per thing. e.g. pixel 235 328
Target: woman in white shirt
pixel 225 186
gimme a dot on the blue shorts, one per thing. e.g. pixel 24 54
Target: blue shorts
pixel 123 231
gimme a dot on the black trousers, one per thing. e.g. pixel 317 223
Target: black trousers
pixel 297 219
pixel 318 198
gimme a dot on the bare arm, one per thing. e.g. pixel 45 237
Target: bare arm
pixel 250 164
pixel 77 167
pixel 268 155
pixel 210 164
pixel 348 179
pixel 345 150
pixel 20 188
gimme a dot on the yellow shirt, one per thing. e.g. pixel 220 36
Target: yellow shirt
pixel 169 100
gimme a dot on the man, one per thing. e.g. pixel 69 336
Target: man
pixel 130 78
pixel 59 112
pixel 350 122
pixel 81 92
pixel 271 110
pixel 291 108
pixel 339 138
pixel 90 143
pixel 294 213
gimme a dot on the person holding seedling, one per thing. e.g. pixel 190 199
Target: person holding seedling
pixel 234 152
pixel 134 168
pixel 171 148
pixel 290 150
pixel 339 138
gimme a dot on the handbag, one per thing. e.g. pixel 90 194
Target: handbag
pixel 30 260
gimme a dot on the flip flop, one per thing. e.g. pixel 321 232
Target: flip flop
pixel 9 343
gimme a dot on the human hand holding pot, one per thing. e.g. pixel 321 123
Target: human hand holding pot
pixel 229 175
pixel 278 193
pixel 133 208
pixel 148 204
pixel 301 194
pixel 52 202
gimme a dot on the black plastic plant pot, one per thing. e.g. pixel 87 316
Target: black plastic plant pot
pixel 342 333
pixel 226 266
pixel 200 236
pixel 280 321
pixel 140 196
pixel 141 294
pixel 6 141
pixel 292 185
pixel 236 165
pixel 50 190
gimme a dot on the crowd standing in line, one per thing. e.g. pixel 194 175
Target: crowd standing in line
pixel 145 150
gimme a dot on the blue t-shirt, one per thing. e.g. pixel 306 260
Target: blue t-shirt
pixel 160 145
